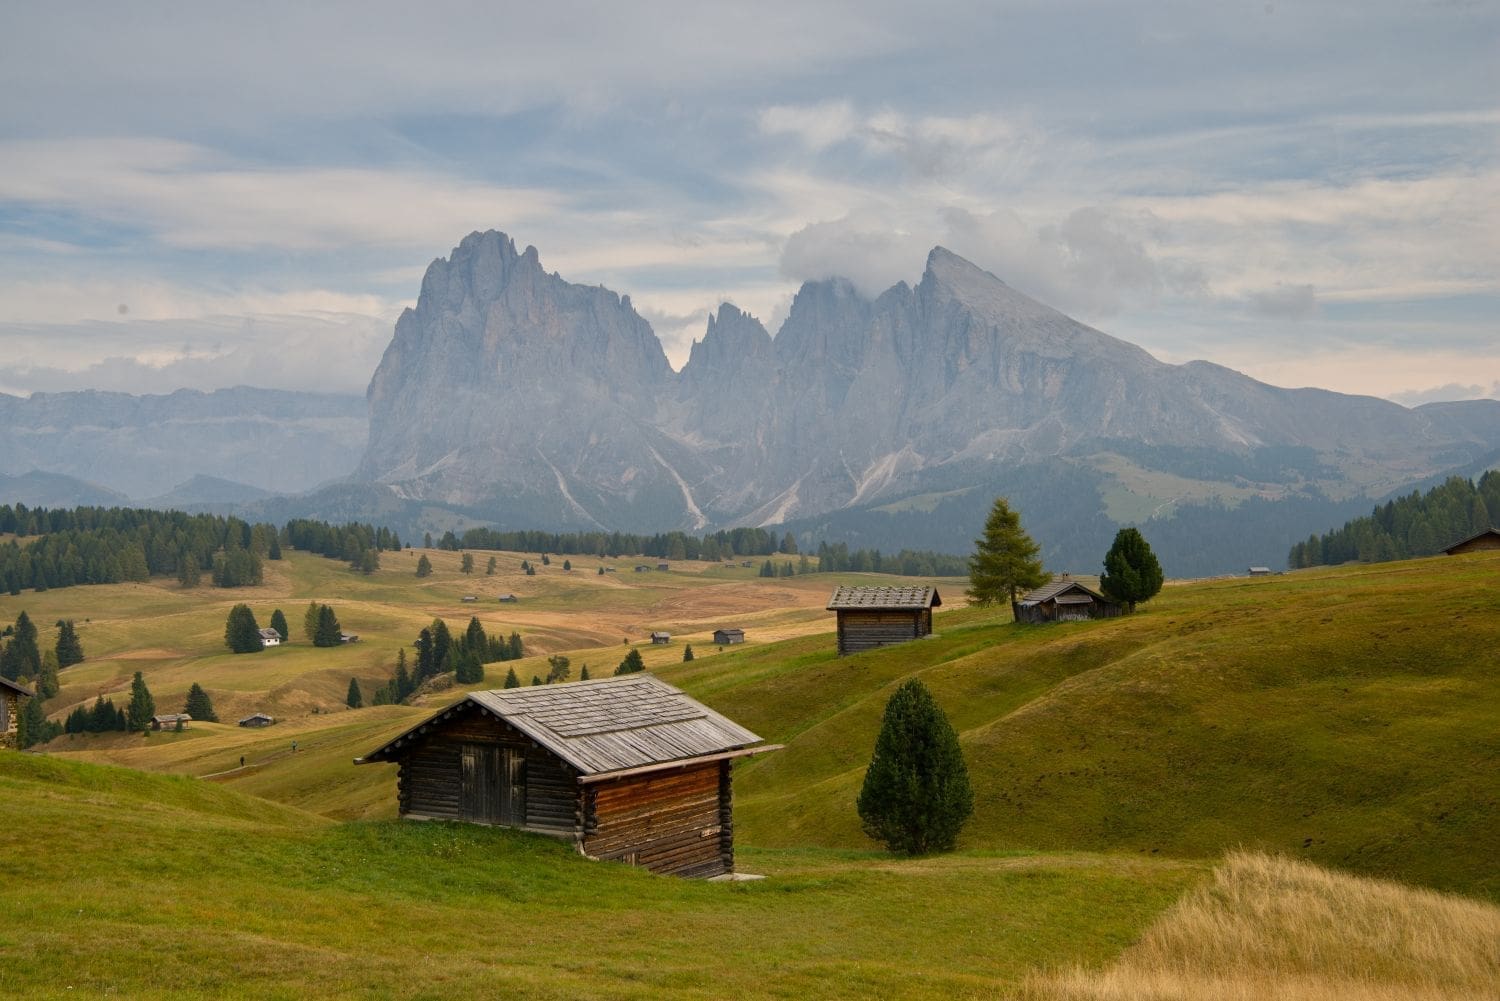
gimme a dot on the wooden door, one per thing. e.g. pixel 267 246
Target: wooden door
pixel 493 786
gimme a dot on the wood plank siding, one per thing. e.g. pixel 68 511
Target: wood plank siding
pixel 873 617
pixel 629 768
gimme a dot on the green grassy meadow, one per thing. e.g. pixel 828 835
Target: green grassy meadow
pixel 1346 717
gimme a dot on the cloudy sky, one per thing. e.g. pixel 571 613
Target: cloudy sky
pixel 201 194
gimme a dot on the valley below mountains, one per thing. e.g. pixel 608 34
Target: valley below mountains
pixel 513 398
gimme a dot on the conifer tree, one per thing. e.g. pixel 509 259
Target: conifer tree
pixel 489 569
pixel 536 679
pixel 1005 561
pixel 141 707
pixel 355 699
pixel 511 681
pixel 631 664
pixel 559 667
pixel 466 564
pixel 278 623
pixel 69 649
pixel 1131 572
pixel 424 566
pixel 402 682
pixel 442 646
pixel 32 727
pixel 199 706
pixel 328 633
pixel 583 673
pixel 516 648
pixel 46 679
pixel 241 633
pixel 916 794
pixel 189 573
pixel 21 658
pixel 310 622
pixel 687 653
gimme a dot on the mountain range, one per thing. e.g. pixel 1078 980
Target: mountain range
pixel 511 397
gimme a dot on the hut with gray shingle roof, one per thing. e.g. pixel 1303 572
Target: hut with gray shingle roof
pixel 628 768
pixel 1064 600
pixel 13 696
pixel 870 617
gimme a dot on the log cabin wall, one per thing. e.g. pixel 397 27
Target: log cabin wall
pixel 677 822
pixel 430 781
pixel 861 629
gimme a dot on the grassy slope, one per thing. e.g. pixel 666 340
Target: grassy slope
pixel 122 882
pixel 1350 716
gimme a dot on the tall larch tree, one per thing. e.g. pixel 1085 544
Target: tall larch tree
pixel 1006 562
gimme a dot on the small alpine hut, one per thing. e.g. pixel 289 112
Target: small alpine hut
pixel 12 700
pixel 1064 600
pixel 270 637
pixel 660 638
pixel 870 617
pixel 728 637
pixel 170 721
pixel 629 768
pixel 257 720
pixel 1488 539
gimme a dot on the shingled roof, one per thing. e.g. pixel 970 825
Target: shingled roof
pixel 16 687
pixel 600 726
pixel 1058 586
pixel 846 598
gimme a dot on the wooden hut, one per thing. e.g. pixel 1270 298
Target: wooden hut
pixel 13 698
pixel 628 768
pixel 258 720
pixel 270 637
pixel 169 721
pixel 870 617
pixel 661 638
pixel 1064 600
pixel 1488 539
pixel 726 637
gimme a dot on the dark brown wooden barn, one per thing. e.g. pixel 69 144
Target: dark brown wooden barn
pixel 870 617
pixel 628 768
pixel 1488 539
pixel 1064 600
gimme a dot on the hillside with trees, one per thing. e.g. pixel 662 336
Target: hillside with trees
pixel 1415 525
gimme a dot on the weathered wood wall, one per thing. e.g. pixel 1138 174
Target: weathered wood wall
pixel 867 629
pixel 430 781
pixel 1050 611
pixel 1481 544
pixel 677 822
pixel 10 713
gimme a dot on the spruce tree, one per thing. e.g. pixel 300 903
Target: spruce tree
pixel 511 681
pixel 189 573
pixel 402 682
pixel 22 658
pixel 310 622
pixel 916 794
pixel 442 645
pixel 687 653
pixel 424 566
pixel 142 706
pixel 474 639
pixel 69 649
pixel 515 647
pixel 199 706
pixel 278 623
pixel 466 563
pixel 46 679
pixel 631 664
pixel 1131 572
pixel 559 667
pixel 489 569
pixel 241 633
pixel 355 699
pixel 583 674
pixel 536 679
pixel 31 727
pixel 1005 561
pixel 328 633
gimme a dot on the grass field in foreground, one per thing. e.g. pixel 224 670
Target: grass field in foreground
pixel 129 884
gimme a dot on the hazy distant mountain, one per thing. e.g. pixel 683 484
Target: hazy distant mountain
pixel 204 492
pixel 511 394
pixel 36 489
pixel 270 440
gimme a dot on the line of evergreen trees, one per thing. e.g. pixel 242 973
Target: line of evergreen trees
pixel 837 557
pixel 358 545
pixel 1415 525
pixel 438 652
pixel 663 545
pixel 94 545
pixel 23 660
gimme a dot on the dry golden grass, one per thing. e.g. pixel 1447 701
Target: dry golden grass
pixel 1271 929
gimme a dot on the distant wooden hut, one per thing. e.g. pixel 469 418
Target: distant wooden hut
pixel 663 566
pixel 509 599
pixel 628 768
pixel 348 637
pixel 1259 571
pixel 1488 539
pixel 468 598
pixel 169 721
pixel 727 637
pixel 1064 600
pixel 13 698
pixel 870 617
pixel 661 639
pixel 270 637
pixel 257 720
